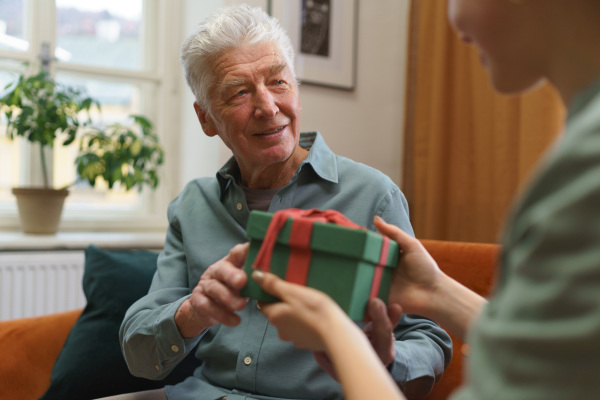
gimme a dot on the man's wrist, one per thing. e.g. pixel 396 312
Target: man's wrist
pixel 187 325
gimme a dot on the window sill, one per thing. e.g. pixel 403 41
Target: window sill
pixel 17 241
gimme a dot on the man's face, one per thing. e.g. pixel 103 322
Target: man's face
pixel 255 106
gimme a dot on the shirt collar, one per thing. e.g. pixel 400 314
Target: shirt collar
pixel 320 158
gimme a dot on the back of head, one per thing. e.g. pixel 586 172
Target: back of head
pixel 227 29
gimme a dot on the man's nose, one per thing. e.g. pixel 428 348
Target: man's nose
pixel 264 104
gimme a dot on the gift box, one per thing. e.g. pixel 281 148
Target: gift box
pixel 323 250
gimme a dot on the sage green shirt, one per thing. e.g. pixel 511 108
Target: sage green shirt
pixel 249 361
pixel 539 337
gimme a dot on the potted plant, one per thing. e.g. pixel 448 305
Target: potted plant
pixel 119 154
pixel 46 113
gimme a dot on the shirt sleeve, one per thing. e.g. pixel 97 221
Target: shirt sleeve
pixel 423 349
pixel 150 340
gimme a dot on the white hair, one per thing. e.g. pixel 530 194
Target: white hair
pixel 227 29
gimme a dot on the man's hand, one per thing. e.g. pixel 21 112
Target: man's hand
pixel 380 331
pixel 216 298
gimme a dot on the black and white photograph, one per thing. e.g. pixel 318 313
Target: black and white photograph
pixel 323 33
pixel 316 20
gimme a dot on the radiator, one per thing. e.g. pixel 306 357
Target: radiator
pixel 38 283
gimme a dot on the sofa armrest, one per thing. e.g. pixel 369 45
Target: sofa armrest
pixel 473 265
pixel 29 348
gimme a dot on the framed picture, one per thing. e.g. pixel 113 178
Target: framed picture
pixel 323 33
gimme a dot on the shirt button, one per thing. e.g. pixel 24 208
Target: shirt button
pixel 239 206
pixel 175 349
pixel 157 367
pixel 247 361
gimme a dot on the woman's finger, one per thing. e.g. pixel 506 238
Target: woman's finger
pixel 404 240
pixel 270 283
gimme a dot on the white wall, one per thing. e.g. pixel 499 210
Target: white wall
pixel 365 124
pixel 199 153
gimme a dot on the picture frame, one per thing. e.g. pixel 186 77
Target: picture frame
pixel 324 35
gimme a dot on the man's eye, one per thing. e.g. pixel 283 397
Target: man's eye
pixel 279 81
pixel 241 93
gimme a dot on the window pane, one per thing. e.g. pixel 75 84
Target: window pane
pixel 10 150
pixel 100 33
pixel 12 25
pixel 118 101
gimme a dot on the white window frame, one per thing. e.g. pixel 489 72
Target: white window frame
pixel 164 40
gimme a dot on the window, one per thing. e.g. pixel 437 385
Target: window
pixel 123 53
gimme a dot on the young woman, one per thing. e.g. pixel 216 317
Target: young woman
pixel 539 335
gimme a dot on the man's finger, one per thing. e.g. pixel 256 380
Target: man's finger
pixel 395 313
pixel 228 274
pixel 237 255
pixel 218 292
pixel 381 330
pixel 213 311
pixel 379 317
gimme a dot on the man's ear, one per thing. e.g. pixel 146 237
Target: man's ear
pixel 206 121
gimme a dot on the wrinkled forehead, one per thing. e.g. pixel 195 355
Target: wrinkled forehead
pixel 247 61
pixel 251 57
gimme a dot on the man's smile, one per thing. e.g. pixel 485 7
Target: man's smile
pixel 271 131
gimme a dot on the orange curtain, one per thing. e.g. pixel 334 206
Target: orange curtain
pixel 467 149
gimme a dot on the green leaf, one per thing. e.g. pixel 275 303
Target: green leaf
pixel 86 103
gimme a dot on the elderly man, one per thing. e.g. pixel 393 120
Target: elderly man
pixel 239 64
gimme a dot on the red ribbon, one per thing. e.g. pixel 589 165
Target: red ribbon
pixel 378 274
pixel 299 242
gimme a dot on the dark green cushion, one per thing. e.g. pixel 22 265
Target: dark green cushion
pixel 91 364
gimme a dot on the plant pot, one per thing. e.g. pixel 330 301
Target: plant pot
pixel 40 209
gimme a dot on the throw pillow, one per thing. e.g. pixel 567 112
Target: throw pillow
pixel 91 364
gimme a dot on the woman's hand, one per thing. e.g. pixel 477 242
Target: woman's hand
pixel 420 287
pixel 417 277
pixel 304 316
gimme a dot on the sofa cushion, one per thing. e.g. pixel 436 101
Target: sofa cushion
pixel 26 365
pixel 91 364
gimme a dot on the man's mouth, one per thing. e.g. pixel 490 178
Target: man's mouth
pixel 270 132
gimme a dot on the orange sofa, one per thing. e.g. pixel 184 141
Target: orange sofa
pixel 29 346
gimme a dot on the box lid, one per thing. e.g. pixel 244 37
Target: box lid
pixel 360 244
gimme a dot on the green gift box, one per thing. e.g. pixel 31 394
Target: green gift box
pixel 349 264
